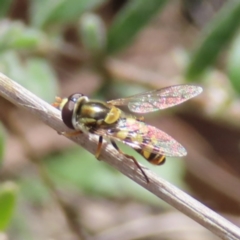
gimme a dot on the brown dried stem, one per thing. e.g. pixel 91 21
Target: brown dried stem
pixel 67 209
pixel 159 187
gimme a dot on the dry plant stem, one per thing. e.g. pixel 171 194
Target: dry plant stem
pixel 68 211
pixel 70 214
pixel 161 188
pixel 169 225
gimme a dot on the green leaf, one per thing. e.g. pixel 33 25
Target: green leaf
pixel 130 20
pixel 78 168
pixel 41 79
pixel 81 169
pixel 15 35
pixel 45 12
pixel 8 192
pixel 29 39
pixel 34 191
pixel 217 35
pixel 10 65
pixel 4 7
pixel 233 68
pixel 93 33
pixel 35 74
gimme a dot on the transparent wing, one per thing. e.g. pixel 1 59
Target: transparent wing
pixel 158 99
pixel 140 135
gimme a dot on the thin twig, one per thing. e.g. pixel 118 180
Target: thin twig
pixel 168 225
pixel 161 188
pixel 68 211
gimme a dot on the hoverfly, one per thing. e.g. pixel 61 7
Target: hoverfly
pixel 106 120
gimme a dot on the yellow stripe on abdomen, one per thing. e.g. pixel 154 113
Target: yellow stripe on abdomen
pixel 157 159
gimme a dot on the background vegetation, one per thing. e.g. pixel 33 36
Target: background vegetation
pixel 108 49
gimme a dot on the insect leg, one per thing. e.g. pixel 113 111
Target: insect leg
pixel 131 157
pixel 99 147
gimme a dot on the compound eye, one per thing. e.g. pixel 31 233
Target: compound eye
pixel 74 97
pixel 67 113
pixel 68 109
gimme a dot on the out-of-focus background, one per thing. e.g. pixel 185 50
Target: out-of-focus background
pixel 52 189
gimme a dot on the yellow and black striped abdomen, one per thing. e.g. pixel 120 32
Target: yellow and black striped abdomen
pixel 152 143
pixel 153 158
pixel 135 133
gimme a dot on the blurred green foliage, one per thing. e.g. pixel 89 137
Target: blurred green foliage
pixel 35 74
pixel 45 13
pixel 15 35
pixel 130 20
pixel 81 169
pixel 34 191
pixel 4 7
pixel 93 34
pixel 218 33
pixel 26 48
pixel 8 191
pixel 233 68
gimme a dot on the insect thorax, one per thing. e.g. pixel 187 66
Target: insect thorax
pixel 97 113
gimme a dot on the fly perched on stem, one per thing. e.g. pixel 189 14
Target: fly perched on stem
pixel 106 120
